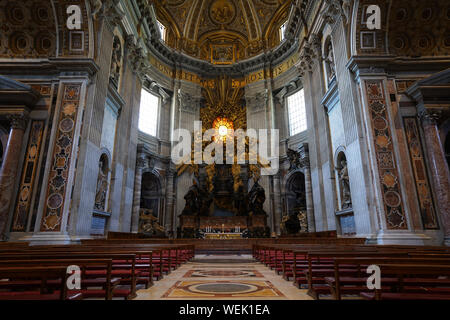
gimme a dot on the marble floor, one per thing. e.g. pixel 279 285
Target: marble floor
pixel 233 277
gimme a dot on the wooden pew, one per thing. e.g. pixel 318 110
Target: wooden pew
pixel 41 290
pixel 127 274
pixel 432 277
pixel 107 283
pixel 356 284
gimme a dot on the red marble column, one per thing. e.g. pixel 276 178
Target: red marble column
pixel 9 168
pixel 439 169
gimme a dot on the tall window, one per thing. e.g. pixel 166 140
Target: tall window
pixel 282 31
pixel 148 113
pixel 162 30
pixel 297 112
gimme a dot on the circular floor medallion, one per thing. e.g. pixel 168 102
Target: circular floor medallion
pixel 224 288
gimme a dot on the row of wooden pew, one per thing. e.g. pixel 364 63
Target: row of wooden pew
pixel 340 270
pixel 107 270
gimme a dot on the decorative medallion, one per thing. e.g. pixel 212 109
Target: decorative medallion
pixel 51 222
pixel 66 125
pixel 222 289
pixel 389 180
pixel 222 11
pixel 54 201
pixel 392 199
pixel 382 141
pixel 380 123
pixel 396 219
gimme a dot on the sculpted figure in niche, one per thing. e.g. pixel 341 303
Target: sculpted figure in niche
pixel 116 61
pixel 329 61
pixel 102 185
pixel 294 159
pixel 345 185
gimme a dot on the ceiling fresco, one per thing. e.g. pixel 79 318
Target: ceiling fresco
pixel 222 31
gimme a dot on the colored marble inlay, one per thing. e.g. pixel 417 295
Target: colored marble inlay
pixel 222 289
pixel 23 200
pixel 427 211
pixel 388 172
pixel 59 172
pixel 222 273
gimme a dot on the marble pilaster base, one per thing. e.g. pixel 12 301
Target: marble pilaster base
pixel 401 238
pixel 50 239
pixel 447 241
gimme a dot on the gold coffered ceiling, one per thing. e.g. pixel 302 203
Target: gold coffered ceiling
pixel 222 31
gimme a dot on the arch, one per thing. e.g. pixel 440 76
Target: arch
pixel 295 220
pixel 152 200
pixel 296 190
pixel 337 154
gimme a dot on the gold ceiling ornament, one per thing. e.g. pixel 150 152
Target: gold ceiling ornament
pixel 246 27
pixel 222 11
pixel 225 101
pixel 223 127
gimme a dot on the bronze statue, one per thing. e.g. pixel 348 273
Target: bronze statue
pixel 191 197
pixel 241 201
pixel 257 197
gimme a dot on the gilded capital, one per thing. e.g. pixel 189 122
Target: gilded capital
pixel 18 121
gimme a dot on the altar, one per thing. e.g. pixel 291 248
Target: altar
pixel 223 235
pixel 218 204
pixel 222 227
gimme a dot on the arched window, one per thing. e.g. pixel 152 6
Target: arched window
pixel 297 112
pixel 148 113
pixel 282 31
pixel 162 30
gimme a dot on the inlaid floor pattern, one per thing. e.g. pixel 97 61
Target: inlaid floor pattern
pixel 222 277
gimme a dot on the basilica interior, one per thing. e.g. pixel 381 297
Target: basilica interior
pixel 95 96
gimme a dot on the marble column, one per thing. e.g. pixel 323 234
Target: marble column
pixel 304 153
pixel 277 205
pixel 9 168
pixel 170 203
pixel 141 163
pixel 439 169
